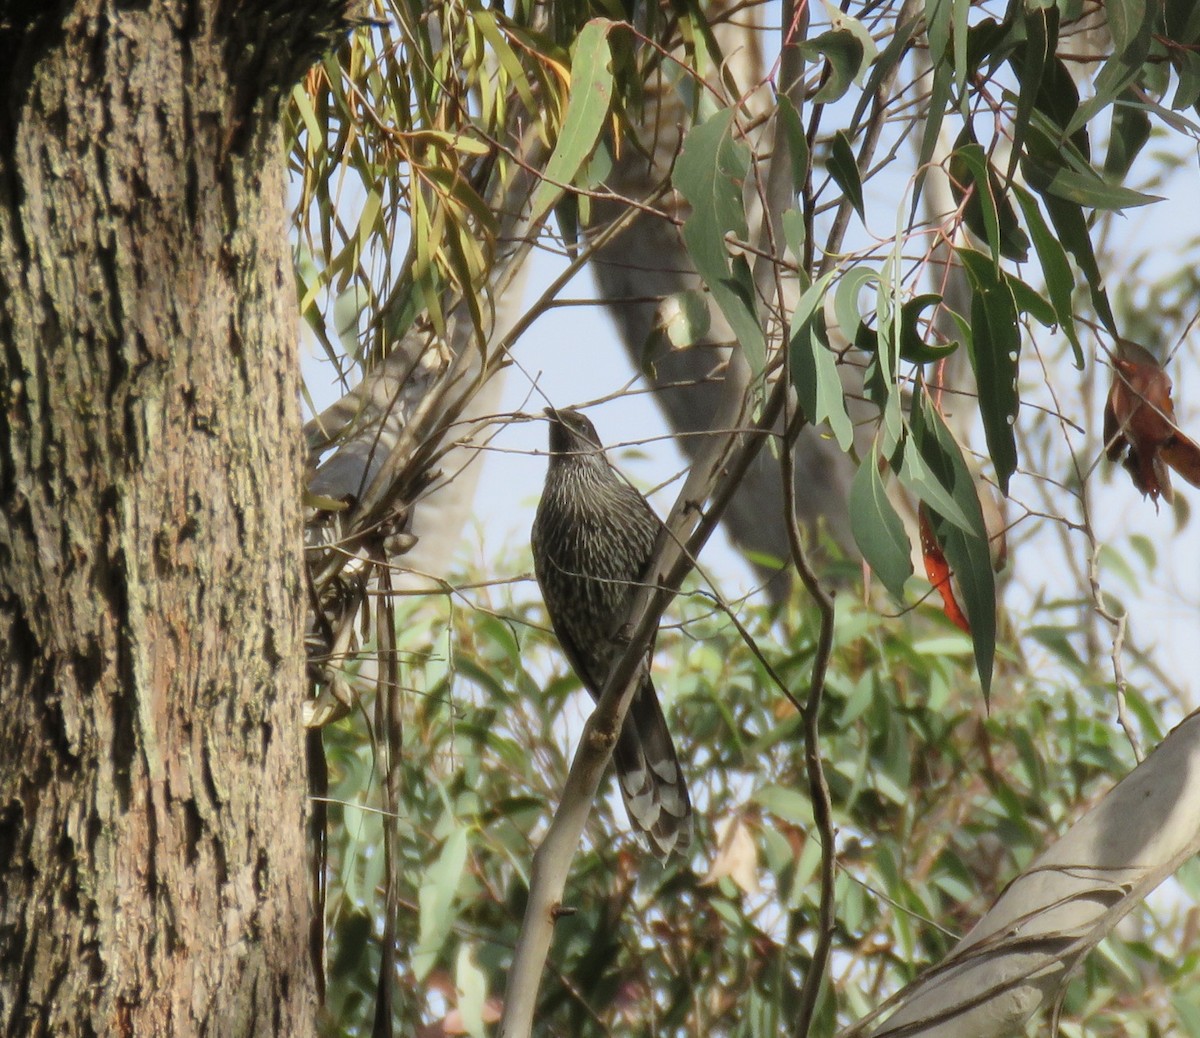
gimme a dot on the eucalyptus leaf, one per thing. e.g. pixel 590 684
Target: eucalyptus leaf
pixel 878 530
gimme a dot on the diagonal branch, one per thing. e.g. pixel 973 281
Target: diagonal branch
pixel 1020 955
pixel 715 478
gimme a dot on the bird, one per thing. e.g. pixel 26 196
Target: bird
pixel 593 539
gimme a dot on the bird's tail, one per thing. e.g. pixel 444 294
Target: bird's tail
pixel 652 782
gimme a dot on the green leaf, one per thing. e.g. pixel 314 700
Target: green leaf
pixel 1055 167
pixel 794 233
pixel 588 106
pixel 925 484
pixel 791 129
pixel 1069 222
pixel 1030 63
pixel 436 901
pixel 844 54
pixel 815 375
pixel 966 549
pixel 988 213
pixel 913 348
pixel 710 174
pixel 1127 22
pixel 1029 301
pixel 995 353
pixel 1130 132
pixel 938 28
pixel 788 804
pixel 878 530
pixel 1181 21
pixel 845 300
pixel 844 170
pixel 1187 65
pixel 1056 269
pixel 939 98
pixel 959 12
pixel 471 985
pixel 1130 24
pixel 1093 191
pixel 489 27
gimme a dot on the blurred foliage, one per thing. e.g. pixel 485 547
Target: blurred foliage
pixel 937 804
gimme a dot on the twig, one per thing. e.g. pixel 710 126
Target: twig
pixel 813 765
pixel 1119 623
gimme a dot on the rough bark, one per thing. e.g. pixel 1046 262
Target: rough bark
pixel 152 866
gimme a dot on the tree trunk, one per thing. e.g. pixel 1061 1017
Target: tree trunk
pixel 152 859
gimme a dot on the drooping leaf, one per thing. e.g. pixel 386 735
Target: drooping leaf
pixel 844 53
pixel 1056 269
pixel 792 132
pixel 1029 301
pixel 1187 65
pixel 436 901
pixel 1030 63
pixel 845 299
pixel 710 174
pixel 939 99
pixel 588 106
pixel 794 234
pixel 965 548
pixel 1072 228
pixel 815 376
pixel 928 485
pixel 844 170
pixel 470 983
pixel 1131 29
pixel 1130 132
pixel 995 354
pixel 1054 167
pixel 878 530
pixel 988 213
pixel 913 348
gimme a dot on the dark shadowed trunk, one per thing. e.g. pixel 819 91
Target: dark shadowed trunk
pixel 152 859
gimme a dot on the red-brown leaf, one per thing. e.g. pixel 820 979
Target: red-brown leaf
pixel 1139 418
pixel 937 570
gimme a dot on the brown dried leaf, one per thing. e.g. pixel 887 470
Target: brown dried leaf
pixel 1139 417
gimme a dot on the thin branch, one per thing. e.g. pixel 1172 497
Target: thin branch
pixel 813 764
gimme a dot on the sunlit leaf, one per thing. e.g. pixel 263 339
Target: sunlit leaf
pixel 587 107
